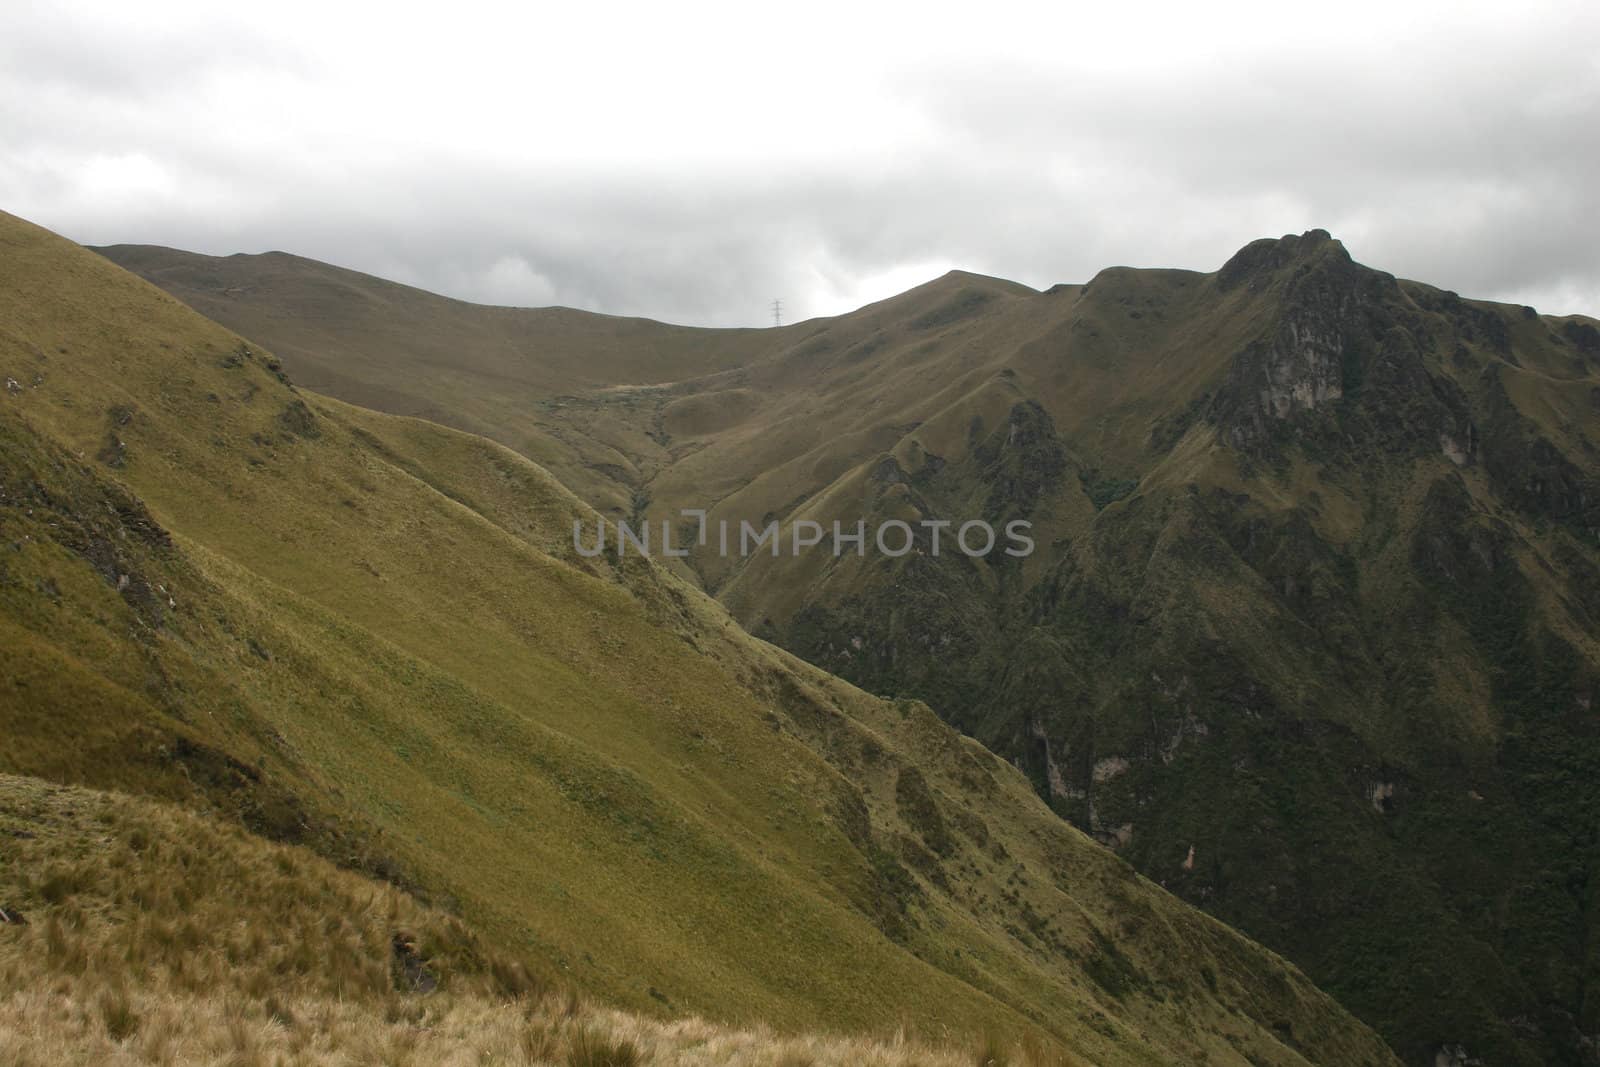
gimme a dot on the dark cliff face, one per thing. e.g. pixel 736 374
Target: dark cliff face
pixel 1299 364
pixel 1343 342
pixel 1355 369
pixel 1019 462
pixel 1341 698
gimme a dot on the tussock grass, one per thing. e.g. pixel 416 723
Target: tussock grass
pixel 588 1047
pixel 147 935
pixel 48 1028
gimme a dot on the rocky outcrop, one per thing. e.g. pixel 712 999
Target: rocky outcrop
pixel 1302 362
pixel 1344 364
pixel 1302 368
pixel 1020 461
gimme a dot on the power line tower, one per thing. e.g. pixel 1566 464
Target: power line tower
pixel 777 313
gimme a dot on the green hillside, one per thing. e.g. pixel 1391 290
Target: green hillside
pixel 1310 637
pixel 369 636
pixel 136 932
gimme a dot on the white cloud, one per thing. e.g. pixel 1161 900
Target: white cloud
pixel 511 281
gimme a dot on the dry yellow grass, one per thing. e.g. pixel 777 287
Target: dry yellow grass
pixel 67 1024
pixel 138 933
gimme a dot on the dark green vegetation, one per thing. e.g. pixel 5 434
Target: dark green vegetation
pixel 368 636
pixel 1311 634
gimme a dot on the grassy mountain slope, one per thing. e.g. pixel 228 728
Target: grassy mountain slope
pixel 370 635
pixel 1311 633
pixel 508 361
pixel 136 932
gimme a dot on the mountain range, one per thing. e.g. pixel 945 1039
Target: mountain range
pixel 1308 637
pixel 250 632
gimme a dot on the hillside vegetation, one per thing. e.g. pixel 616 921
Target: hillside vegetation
pixel 369 636
pixel 138 933
pixel 1311 634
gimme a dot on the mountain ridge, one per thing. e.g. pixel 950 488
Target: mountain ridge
pixel 370 636
pixel 1312 610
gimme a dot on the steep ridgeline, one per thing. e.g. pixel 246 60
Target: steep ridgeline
pixel 369 636
pixel 1310 633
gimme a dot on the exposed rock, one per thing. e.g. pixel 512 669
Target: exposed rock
pixel 1054 779
pixel 887 470
pixel 1455 1056
pixel 1190 728
pixel 1120 837
pixel 1344 364
pixel 1107 769
pixel 1300 364
pixel 1302 367
pixel 1459 450
pixel 1257 261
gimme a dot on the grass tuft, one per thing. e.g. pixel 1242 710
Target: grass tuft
pixel 588 1048
pixel 118 1014
pixel 991 1052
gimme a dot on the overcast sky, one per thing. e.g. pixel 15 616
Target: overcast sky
pixel 693 161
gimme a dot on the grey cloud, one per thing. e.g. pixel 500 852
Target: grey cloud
pixel 1484 183
pixel 1468 164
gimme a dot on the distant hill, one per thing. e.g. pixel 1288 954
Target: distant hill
pixel 1311 634
pixel 370 637
pixel 378 344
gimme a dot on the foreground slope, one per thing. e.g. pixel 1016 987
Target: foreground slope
pixel 370 635
pixel 135 932
pixel 1311 634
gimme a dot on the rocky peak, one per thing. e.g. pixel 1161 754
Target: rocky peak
pixel 1257 262
pixel 1328 311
